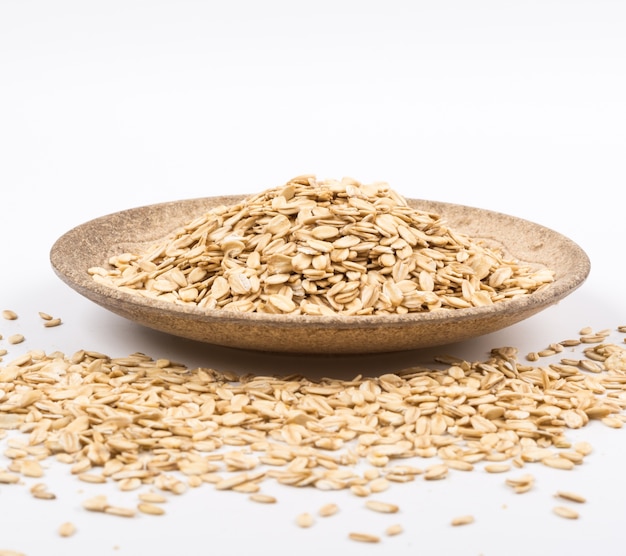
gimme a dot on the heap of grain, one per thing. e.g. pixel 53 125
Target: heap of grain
pixel 322 247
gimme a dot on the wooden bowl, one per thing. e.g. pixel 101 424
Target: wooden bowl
pixel 92 243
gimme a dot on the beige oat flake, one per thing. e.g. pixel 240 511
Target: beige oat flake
pixel 521 484
pixel 120 511
pixel 305 520
pixel 67 529
pixel 152 498
pixel 96 504
pixel 571 496
pixel 328 510
pixel 150 509
pixel 462 520
pixel 263 498
pixel 566 512
pixel 394 529
pixel 16 339
pixel 364 537
pixel 382 507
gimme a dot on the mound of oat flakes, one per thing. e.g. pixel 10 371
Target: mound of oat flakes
pixel 322 247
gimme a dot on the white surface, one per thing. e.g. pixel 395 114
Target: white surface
pixel 512 106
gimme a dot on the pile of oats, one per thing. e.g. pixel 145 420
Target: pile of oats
pixel 322 247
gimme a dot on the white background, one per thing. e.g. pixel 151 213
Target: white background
pixel 516 107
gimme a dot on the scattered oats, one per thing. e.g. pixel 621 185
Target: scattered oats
pixel 462 520
pixel 45 316
pixel 363 537
pixel 570 496
pixel 9 315
pixel 328 509
pixel 566 512
pixel 305 520
pixel 143 422
pixel 16 339
pixel 67 529
pixel 52 322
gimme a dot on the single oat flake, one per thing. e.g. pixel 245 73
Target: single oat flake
pixel 67 529
pixel 462 520
pixel 8 314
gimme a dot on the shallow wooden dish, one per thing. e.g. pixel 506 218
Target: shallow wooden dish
pixel 92 243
